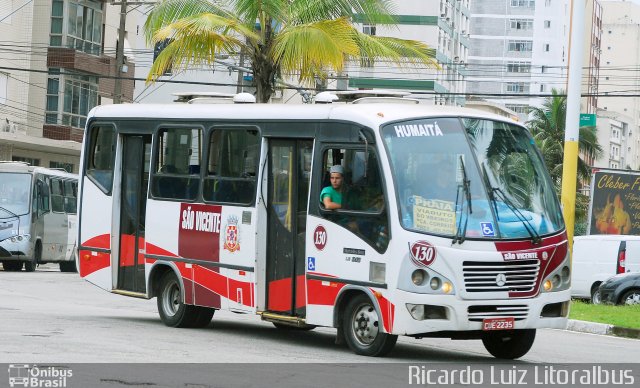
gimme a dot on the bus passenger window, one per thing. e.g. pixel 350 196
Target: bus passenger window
pixel 360 194
pixel 57 197
pixel 70 197
pixel 232 166
pixel 177 168
pixel 100 161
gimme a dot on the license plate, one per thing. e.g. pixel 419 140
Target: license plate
pixel 498 324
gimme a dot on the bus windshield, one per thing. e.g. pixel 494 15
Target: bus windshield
pixel 14 194
pixel 470 178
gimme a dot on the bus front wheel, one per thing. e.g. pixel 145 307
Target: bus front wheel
pixel 173 312
pixel 31 265
pixel 363 330
pixel 509 345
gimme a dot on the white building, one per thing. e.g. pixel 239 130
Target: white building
pixel 518 47
pixel 58 62
pixel 617 134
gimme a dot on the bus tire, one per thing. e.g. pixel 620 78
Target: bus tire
pixel 12 266
pixel 204 316
pixel 30 266
pixel 509 345
pixel 362 329
pixel 68 266
pixel 173 312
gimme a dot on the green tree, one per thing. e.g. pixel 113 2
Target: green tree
pixel 547 125
pixel 308 38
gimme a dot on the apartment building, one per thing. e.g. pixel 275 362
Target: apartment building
pixel 620 81
pixel 444 26
pixel 618 138
pixel 58 62
pixel 518 47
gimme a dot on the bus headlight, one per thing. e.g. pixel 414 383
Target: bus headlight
pixel 435 283
pixel 20 238
pixel 559 279
pixel 447 287
pixel 547 285
pixel 418 277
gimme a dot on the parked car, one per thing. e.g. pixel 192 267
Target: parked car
pixel 598 257
pixel 623 289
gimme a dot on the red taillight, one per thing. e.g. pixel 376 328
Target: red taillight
pixel 621 262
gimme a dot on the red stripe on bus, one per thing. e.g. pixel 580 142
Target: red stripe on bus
pixel 92 261
pixel 279 295
pixel 322 294
pixel 387 309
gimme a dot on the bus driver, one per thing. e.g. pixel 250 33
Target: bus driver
pixel 331 196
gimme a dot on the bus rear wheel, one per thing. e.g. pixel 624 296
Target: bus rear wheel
pixel 173 312
pixel 509 345
pixel 363 330
pixel 68 266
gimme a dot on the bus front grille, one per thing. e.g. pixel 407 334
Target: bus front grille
pixel 479 313
pixel 496 276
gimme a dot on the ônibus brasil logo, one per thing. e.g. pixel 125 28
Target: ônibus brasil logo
pixel 25 375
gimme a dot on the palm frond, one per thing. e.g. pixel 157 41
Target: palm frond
pixel 312 47
pixel 401 52
pixel 166 12
pixel 365 11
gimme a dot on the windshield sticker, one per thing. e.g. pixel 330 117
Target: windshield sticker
pixel 423 253
pixel 411 130
pixel 487 229
pixel 434 215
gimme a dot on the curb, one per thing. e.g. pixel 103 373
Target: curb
pixel 602 329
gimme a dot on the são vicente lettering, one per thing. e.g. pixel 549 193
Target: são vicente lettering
pixel 200 221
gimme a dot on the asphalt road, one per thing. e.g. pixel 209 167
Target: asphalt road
pixel 53 317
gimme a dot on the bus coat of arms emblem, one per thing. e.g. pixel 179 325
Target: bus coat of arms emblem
pixel 232 235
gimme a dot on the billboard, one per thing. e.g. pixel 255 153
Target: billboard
pixel 615 202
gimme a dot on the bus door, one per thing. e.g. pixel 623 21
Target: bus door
pixel 288 180
pixel 136 151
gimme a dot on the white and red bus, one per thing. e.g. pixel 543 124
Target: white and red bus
pixel 449 225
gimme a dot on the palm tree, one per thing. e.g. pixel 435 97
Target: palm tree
pixel 304 37
pixel 547 126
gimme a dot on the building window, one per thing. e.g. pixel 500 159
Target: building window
pixel 518 108
pixel 521 24
pixel 31 161
pixel 547 46
pixel 516 87
pixel 68 167
pixel 79 95
pixel 79 26
pixel 547 24
pixel 519 67
pixel 369 29
pixel 523 3
pixel 520 45
pixel 547 3
pixel 4 80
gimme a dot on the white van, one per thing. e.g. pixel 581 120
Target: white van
pixel 598 257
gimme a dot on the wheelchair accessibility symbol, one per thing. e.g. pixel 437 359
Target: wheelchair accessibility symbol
pixel 487 229
pixel 311 263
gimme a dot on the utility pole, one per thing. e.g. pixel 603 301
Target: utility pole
pixel 572 123
pixel 117 88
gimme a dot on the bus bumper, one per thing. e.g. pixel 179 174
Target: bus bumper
pixel 445 313
pixel 15 250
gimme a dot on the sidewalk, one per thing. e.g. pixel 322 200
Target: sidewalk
pixel 602 328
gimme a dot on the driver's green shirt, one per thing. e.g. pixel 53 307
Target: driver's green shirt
pixel 333 194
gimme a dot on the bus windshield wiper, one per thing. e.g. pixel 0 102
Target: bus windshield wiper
pixel 535 237
pixel 9 211
pixel 461 231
